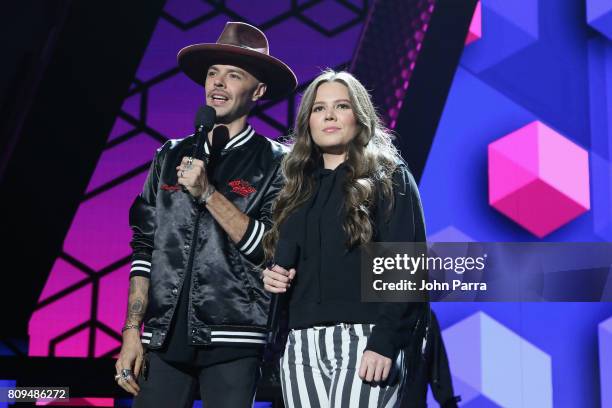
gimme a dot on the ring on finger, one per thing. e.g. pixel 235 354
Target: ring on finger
pixel 182 173
pixel 189 161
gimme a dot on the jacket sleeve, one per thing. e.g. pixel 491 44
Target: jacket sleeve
pixel 395 321
pixel 143 220
pixel 251 243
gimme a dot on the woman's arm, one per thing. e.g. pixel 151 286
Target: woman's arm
pixel 405 223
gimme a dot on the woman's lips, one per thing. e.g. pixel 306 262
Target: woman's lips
pixel 331 129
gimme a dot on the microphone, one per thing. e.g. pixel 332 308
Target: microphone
pixel 204 122
pixel 286 256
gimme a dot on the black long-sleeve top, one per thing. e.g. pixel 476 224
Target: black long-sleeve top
pixel 327 288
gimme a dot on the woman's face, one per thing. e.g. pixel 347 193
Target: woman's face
pixel 332 122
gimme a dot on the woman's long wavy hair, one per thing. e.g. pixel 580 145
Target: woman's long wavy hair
pixel 371 160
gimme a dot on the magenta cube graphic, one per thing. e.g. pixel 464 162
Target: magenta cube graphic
pixel 599 16
pixel 605 362
pixel 493 366
pixel 475 30
pixel 538 178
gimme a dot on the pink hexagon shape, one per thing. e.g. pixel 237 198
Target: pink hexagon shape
pixel 538 178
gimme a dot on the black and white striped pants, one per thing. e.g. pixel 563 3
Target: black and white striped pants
pixel 320 368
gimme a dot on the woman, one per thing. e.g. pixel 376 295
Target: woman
pixel 346 185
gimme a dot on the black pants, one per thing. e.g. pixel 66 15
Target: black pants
pixel 229 384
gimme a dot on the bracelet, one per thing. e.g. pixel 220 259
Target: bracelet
pixel 130 326
pixel 207 194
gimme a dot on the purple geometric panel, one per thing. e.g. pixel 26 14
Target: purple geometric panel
pixel 186 11
pixel 264 128
pixel 259 15
pixel 168 39
pixel 100 233
pixel 56 318
pixel 120 128
pixel 278 112
pixel 122 158
pixel 508 27
pixel 337 50
pixel 131 105
pixel 599 16
pixel 605 362
pixel 490 360
pixel 166 108
pixel 104 343
pixel 62 275
pixel 73 346
pixel 329 14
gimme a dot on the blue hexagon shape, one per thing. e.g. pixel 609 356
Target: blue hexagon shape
pixel 494 366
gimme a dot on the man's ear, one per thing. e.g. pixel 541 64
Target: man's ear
pixel 260 90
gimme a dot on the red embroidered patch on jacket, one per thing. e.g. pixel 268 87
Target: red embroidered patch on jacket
pixel 241 187
pixel 168 187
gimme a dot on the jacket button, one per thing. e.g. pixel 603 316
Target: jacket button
pixel 186 247
pixel 174 291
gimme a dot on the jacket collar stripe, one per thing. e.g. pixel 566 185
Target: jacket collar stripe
pixel 141 263
pixel 240 139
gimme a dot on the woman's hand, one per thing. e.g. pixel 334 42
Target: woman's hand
pixel 374 367
pixel 277 279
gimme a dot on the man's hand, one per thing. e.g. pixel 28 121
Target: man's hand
pixel 130 357
pixel 192 174
pixel 374 367
pixel 277 279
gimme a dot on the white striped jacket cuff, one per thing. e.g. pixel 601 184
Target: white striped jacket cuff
pixel 140 268
pixel 252 237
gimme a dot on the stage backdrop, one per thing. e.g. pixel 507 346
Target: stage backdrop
pixel 536 71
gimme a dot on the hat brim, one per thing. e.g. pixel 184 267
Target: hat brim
pixel 195 60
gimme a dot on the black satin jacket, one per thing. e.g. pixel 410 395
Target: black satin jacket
pixel 172 233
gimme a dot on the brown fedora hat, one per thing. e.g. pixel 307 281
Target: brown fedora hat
pixel 244 46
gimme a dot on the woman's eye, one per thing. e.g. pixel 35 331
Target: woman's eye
pixel 234 76
pixel 317 109
pixel 211 74
pixel 344 106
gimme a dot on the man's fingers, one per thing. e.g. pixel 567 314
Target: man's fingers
pixel 292 273
pixel 132 383
pixel 126 386
pixel 137 365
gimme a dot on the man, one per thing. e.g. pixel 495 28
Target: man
pixel 194 280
